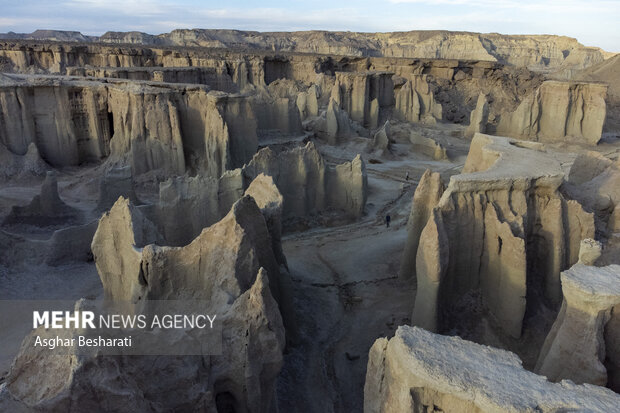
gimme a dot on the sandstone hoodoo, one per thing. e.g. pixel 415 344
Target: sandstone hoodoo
pixel 380 222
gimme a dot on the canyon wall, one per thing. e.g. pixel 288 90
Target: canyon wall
pixel 558 111
pixel 503 230
pixel 536 51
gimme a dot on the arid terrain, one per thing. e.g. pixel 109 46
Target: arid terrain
pixel 384 222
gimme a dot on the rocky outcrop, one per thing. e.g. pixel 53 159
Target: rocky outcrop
pixel 535 51
pixel 242 378
pixel 173 128
pixel 427 146
pixel 576 348
pixel 507 232
pixel 186 204
pixel 307 103
pixel 381 140
pixel 364 96
pixel 425 197
pixel 479 117
pixel 230 265
pixel 308 185
pixel 280 114
pixel 337 123
pixel 594 180
pixel 217 77
pixel 418 371
pixel 268 198
pixel 45 209
pixel 415 101
pixel 559 111
pixel 68 124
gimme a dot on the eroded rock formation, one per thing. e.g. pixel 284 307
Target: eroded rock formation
pixel 420 371
pixel 479 117
pixel 559 111
pixel 536 51
pixel 581 345
pixel 415 101
pixel 506 230
pixel 426 196
pixel 309 185
pixel 230 265
pixel 45 209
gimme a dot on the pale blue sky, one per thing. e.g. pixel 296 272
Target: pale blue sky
pixel 593 22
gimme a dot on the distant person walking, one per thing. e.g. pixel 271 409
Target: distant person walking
pixel 387 221
pixel 407 176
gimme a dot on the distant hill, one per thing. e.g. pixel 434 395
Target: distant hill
pixel 538 52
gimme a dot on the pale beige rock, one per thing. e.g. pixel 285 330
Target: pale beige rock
pixel 355 93
pixel 418 371
pixel 425 197
pixel 538 52
pixel 381 140
pixel 243 376
pixel 587 166
pixel 307 103
pixel 415 102
pixel 589 251
pixel 427 146
pixel 431 266
pixel 479 117
pixel 559 111
pixel 489 211
pixel 117 249
pixel 575 347
pixel 337 123
pixel 149 126
pixel 308 185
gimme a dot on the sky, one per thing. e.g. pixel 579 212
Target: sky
pixel 592 22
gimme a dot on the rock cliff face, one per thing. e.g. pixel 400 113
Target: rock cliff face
pixel 559 111
pixel 148 126
pixel 418 371
pixel 217 77
pixel 230 265
pixel 308 185
pixel 536 51
pixel 426 196
pixel 479 117
pixel 415 101
pixel 501 229
pixel 581 345
pixel 364 96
